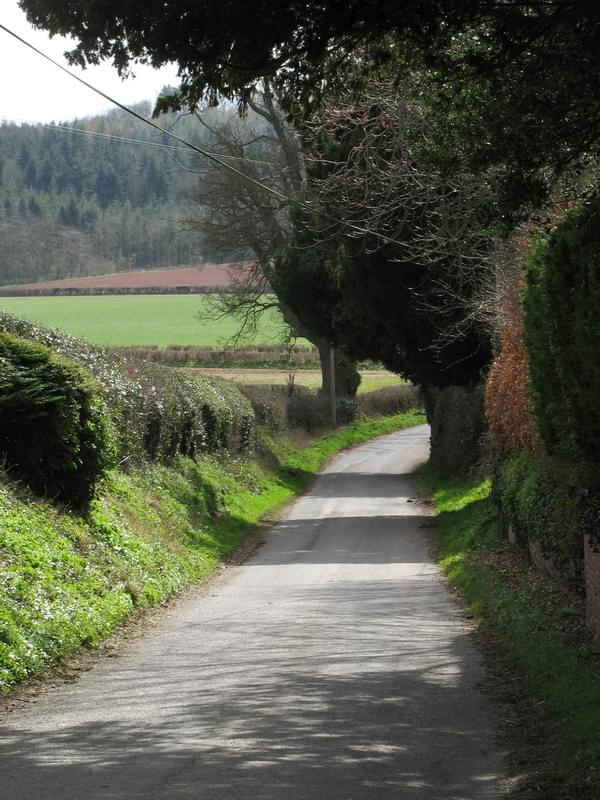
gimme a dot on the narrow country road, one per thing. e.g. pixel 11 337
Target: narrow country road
pixel 331 666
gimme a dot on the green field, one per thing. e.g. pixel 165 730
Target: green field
pixel 121 320
pixel 371 380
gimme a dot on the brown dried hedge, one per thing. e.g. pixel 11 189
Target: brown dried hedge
pixel 508 405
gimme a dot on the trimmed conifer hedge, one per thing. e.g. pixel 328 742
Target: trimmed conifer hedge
pixel 562 330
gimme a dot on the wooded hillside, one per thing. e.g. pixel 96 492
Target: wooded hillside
pixel 84 198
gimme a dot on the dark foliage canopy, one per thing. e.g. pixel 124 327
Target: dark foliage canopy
pixel 516 82
pixel 379 307
pixel 226 47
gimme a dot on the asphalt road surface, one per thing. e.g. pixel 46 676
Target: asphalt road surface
pixel 333 665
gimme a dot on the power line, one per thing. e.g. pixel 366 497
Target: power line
pixel 126 139
pixel 217 159
pixel 206 153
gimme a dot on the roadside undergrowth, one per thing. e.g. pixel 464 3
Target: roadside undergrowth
pixel 545 666
pixel 68 580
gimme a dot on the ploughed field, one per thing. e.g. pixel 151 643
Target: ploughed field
pixel 205 276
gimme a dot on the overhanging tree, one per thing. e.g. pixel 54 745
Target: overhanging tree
pixel 518 80
pixel 377 306
pixel 242 221
pixel 388 260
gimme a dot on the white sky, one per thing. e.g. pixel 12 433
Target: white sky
pixel 33 90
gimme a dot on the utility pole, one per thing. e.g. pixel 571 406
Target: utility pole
pixel 332 399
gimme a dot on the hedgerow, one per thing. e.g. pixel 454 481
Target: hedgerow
pixel 264 356
pixel 562 333
pixel 242 432
pixel 546 503
pixel 268 404
pixel 541 395
pixel 389 400
pixel 508 407
pixel 307 411
pixel 157 412
pixel 55 432
pixel 457 421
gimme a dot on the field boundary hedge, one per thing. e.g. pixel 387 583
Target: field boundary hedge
pixel 264 356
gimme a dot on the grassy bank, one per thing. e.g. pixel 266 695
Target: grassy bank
pixel 68 580
pixel 535 628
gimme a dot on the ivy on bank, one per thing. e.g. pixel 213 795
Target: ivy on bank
pixel 68 580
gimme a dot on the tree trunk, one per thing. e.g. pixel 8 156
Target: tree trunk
pixel 347 377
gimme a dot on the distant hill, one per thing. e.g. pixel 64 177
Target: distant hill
pixel 79 199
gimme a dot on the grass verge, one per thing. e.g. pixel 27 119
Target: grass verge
pixel 68 580
pixel 546 665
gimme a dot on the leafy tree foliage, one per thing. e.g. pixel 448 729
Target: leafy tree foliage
pixel 223 49
pixel 226 48
pixel 388 252
pixel 516 83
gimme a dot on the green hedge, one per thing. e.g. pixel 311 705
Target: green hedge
pixel 553 497
pixel 562 330
pixel 546 504
pixel 241 434
pixel 158 412
pixel 457 420
pixel 55 433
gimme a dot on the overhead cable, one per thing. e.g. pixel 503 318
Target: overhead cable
pixel 126 139
pixel 217 159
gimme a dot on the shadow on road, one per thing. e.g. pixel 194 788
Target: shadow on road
pixel 354 708
pixel 349 540
pixel 352 679
pixel 362 484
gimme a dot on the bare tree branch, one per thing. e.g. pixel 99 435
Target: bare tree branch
pixel 380 185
